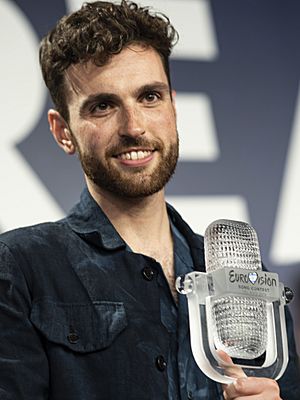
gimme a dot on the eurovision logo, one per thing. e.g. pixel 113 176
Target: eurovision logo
pixel 260 278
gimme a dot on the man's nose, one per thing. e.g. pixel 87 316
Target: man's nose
pixel 132 122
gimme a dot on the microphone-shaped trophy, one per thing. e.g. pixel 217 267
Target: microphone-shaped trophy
pixel 236 306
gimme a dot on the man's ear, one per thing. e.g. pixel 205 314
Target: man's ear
pixel 61 131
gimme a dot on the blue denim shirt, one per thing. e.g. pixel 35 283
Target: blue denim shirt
pixel 84 318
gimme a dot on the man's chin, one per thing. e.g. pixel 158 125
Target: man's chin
pixel 132 190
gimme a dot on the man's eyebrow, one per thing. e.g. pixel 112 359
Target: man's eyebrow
pixel 97 98
pixel 111 97
pixel 159 86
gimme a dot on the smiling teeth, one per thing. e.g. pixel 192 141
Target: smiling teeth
pixel 135 155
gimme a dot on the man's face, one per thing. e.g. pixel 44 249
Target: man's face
pixel 123 123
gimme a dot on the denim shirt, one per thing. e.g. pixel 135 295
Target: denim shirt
pixel 84 318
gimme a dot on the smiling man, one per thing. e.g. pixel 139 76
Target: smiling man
pixel 88 307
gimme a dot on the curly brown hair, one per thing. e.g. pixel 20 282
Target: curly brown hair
pixel 95 33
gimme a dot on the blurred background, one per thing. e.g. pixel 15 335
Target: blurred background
pixel 236 72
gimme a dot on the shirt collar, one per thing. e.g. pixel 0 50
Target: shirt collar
pixel 194 241
pixel 89 221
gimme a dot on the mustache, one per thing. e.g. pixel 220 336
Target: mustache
pixel 127 142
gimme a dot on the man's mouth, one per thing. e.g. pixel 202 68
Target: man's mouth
pixel 135 155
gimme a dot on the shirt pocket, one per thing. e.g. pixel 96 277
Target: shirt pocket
pixel 80 327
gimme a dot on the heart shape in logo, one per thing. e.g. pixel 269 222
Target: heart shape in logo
pixel 252 277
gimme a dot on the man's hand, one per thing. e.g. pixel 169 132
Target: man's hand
pixel 247 388
pixel 252 388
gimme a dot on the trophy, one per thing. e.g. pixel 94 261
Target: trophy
pixel 235 306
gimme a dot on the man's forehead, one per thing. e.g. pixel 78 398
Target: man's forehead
pixel 81 77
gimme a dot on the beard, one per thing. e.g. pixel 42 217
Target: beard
pixel 134 182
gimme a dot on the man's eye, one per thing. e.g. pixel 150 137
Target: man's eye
pixel 151 97
pixel 100 107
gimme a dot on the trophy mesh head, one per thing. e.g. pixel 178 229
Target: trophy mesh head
pixel 231 244
pixel 240 322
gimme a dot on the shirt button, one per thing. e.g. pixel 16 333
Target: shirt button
pixel 160 363
pixel 73 338
pixel 148 273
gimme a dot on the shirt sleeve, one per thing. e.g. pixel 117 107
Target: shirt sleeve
pixel 290 381
pixel 24 371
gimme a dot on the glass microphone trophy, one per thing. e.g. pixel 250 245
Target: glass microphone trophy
pixel 235 306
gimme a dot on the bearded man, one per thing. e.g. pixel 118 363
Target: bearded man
pixel 88 305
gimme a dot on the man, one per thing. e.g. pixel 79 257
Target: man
pixel 88 307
